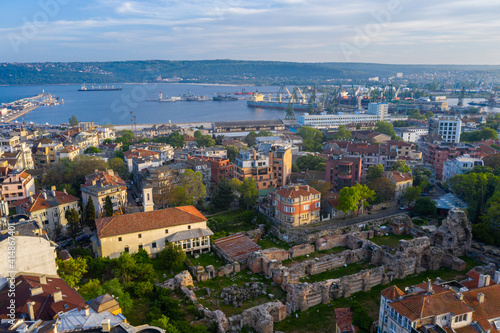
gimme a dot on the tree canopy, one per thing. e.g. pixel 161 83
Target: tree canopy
pixel 311 162
pixel 312 139
pixel 400 166
pixel 73 121
pixel 375 171
pixel 386 128
pixel 342 133
pixel 483 134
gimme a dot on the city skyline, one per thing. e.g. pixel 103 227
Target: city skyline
pixel 394 31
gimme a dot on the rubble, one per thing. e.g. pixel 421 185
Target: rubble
pixel 235 295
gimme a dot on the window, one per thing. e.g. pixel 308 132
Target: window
pixel 461 318
pixel 306 207
pixel 166 231
pixel 140 246
pixel 119 239
pixel 189 227
pixel 140 235
pixel 317 205
pixel 126 249
pixel 289 209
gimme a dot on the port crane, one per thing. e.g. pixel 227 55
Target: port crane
pixel 290 114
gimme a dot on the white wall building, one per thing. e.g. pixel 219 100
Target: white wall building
pixel 449 128
pixel 411 134
pixel 459 166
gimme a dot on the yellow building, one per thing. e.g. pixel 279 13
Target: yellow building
pixel 402 181
pixel 152 231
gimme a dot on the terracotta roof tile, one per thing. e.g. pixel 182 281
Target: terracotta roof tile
pixel 489 309
pixel 392 293
pixel 237 246
pixel 297 191
pixel 401 177
pixel 343 316
pixel 132 223
pixel 39 202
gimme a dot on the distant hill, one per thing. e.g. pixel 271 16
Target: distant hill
pixel 209 71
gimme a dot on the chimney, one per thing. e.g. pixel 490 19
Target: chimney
pixel 64 191
pixel 43 279
pixel 87 310
pixel 30 193
pixel 484 281
pixel 110 172
pixel 57 296
pixel 460 297
pixel 36 291
pixel 480 298
pixel 106 326
pixel 429 287
pixel 497 277
pixel 31 310
pixel 44 194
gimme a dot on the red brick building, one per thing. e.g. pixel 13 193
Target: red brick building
pixel 220 168
pixel 296 205
pixel 343 171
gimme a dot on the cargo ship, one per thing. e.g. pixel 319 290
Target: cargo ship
pixel 224 98
pixel 243 92
pixel 98 88
pixel 165 99
pixel 257 101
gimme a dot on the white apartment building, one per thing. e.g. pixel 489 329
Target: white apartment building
pixel 376 112
pixel 449 128
pixel 211 152
pixel 459 166
pixel 411 134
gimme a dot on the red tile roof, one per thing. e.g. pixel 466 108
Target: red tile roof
pixel 297 191
pixel 39 202
pixel 45 307
pixel 401 177
pixel 489 309
pixel 392 293
pixel 137 222
pixel 237 246
pixel 104 178
pixel 138 152
pixel 343 316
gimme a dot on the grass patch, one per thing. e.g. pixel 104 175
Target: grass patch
pixel 206 259
pixel 337 273
pixel 270 241
pixel 391 240
pixel 233 221
pixel 160 271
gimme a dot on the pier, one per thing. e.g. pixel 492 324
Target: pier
pixel 13 110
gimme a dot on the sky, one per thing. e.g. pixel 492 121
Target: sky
pixel 375 31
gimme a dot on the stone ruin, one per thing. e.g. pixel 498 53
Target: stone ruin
pixel 261 318
pixel 454 234
pixel 235 296
pixel 205 273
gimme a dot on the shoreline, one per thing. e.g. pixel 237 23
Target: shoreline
pixel 129 83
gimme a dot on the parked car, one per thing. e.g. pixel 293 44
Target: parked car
pixel 424 194
pixel 82 238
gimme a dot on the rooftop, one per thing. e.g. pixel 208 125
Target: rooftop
pixel 238 247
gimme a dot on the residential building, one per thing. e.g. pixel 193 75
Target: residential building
pixel 41 297
pixel 449 128
pixel 220 168
pixel 343 171
pixel 27 235
pixel 411 134
pixel 152 231
pixel 405 150
pixel 69 152
pixel 162 179
pixel 49 208
pixel 204 168
pixel 370 136
pixel 442 307
pixel 45 152
pixel 102 184
pixel 280 158
pixel 402 181
pixel 255 165
pixel 248 125
pixel 86 139
pixel 139 153
pixel 436 154
pixel 110 148
pixel 165 151
pixel 211 152
pixel 295 206
pixel 16 185
pixel 459 166
pixel 343 321
pixel 8 145
pixel 379 109
pixel 20 159
pixel 142 163
pixel 105 133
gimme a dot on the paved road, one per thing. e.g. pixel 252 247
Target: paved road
pixel 131 204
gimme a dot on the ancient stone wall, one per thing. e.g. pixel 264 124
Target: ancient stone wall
pixel 276 254
pixel 261 318
pixel 329 242
pixel 205 273
pixel 454 234
pixel 301 250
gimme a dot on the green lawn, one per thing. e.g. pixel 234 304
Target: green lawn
pixel 270 241
pixel 206 259
pixel 336 273
pixel 390 240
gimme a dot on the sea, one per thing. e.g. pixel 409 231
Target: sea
pixel 115 107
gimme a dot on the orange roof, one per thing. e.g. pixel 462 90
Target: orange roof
pixel 392 293
pixel 138 152
pixel 39 202
pixel 343 316
pixel 489 309
pixel 137 222
pixel 297 191
pixel 401 177
pixel 104 178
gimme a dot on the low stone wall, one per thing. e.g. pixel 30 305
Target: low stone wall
pixel 205 273
pixel 329 242
pixel 301 250
pixel 276 254
pixel 261 318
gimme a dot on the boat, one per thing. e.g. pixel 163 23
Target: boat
pixel 257 101
pixel 98 88
pixel 224 98
pixel 165 99
pixel 194 98
pixel 478 103
pixel 243 92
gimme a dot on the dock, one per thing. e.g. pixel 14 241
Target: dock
pixel 13 110
pixel 14 116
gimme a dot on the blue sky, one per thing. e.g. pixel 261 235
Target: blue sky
pixel 383 31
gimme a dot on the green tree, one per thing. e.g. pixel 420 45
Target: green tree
pixel 265 133
pixel 312 139
pixel 364 194
pixel 163 323
pixel 386 128
pixel 412 193
pixel 425 206
pixel 176 140
pixel 92 150
pixel 222 196
pixel 90 212
pixel 206 141
pixel 127 135
pixel 108 206
pixel 421 177
pixel 141 257
pixel 400 166
pixel 248 192
pixel 342 133
pixel 375 171
pixel 114 287
pixel 73 219
pixel 360 317
pixel 197 134
pixel 172 257
pixel 118 166
pixel 72 270
pixel 295 168
pixel 348 200
pixel 429 114
pixel 492 161
pixel 384 189
pixel 311 162
pixel 91 290
pixel 232 153
pixel 73 121
pixel 192 182
pixel 250 138
pixel 483 134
